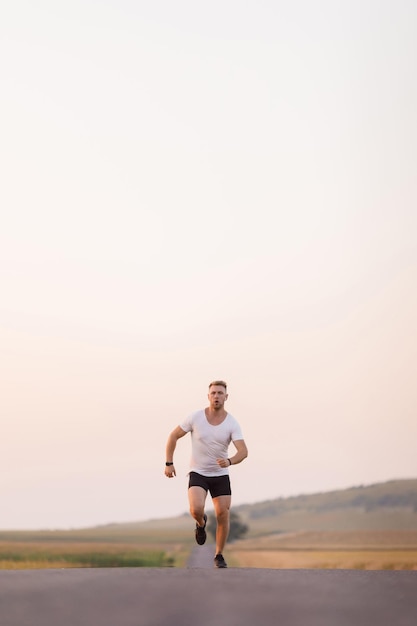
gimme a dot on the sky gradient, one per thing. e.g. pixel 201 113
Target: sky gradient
pixel 196 191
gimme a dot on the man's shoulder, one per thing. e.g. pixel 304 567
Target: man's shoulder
pixel 192 420
pixel 196 415
pixel 234 424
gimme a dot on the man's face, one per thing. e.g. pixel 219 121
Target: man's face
pixel 217 396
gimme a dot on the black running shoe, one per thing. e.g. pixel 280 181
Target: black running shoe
pixel 219 561
pixel 200 532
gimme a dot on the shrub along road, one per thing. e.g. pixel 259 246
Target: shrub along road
pixel 207 597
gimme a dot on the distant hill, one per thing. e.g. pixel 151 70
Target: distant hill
pixel 390 505
pixel 382 506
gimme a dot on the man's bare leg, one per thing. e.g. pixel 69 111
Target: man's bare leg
pixel 222 510
pixel 197 499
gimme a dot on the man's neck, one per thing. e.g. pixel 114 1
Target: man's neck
pixel 216 413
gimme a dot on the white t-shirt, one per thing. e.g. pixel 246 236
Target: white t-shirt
pixel 210 442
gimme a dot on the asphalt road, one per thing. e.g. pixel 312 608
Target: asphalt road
pixel 205 596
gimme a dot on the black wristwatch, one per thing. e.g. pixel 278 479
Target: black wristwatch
pixel 168 463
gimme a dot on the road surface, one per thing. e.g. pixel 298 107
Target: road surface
pixel 205 596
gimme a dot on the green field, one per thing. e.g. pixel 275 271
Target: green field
pixel 38 555
pixel 151 544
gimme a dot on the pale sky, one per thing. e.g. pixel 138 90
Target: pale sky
pixel 193 191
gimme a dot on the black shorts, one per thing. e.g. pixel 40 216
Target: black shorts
pixel 216 485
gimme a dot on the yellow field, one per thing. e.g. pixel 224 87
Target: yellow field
pixel 329 550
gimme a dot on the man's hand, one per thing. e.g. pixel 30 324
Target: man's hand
pixel 170 471
pixel 223 462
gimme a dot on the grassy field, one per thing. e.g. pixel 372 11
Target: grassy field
pixel 38 555
pixel 146 545
pixel 329 550
pixel 346 519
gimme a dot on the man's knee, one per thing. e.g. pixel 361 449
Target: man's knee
pixel 196 510
pixel 222 516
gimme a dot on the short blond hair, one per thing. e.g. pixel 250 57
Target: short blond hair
pixel 218 382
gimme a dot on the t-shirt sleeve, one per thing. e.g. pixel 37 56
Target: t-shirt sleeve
pixel 187 424
pixel 236 431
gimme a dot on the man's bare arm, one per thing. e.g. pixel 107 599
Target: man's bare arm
pixel 176 434
pixel 241 454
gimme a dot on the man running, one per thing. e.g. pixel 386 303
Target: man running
pixel 212 429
